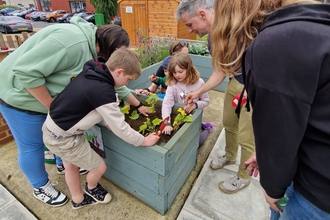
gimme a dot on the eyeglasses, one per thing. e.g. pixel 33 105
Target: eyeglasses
pixel 182 44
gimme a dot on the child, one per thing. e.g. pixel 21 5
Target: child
pixel 161 80
pixel 175 47
pixel 181 79
pixel 86 101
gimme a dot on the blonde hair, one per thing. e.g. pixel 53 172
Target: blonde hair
pixel 236 24
pixel 125 59
pixel 184 61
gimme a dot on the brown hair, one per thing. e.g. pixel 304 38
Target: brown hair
pixel 184 61
pixel 125 59
pixel 109 38
pixel 236 24
pixel 177 46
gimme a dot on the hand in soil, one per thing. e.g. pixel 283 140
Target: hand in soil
pixel 150 140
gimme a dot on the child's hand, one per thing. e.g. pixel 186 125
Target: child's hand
pixel 150 140
pixel 142 91
pixel 189 108
pixel 153 77
pixel 167 130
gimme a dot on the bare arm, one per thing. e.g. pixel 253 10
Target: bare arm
pixel 42 95
pixel 215 79
pixel 131 100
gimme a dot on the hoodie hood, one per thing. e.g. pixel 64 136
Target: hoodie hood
pixel 96 70
pixel 86 27
pixel 318 13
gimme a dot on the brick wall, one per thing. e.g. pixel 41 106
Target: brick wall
pixel 5 134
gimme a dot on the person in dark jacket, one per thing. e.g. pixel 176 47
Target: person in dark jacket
pixel 286 71
pixel 77 108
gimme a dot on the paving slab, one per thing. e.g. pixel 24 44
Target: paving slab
pixel 11 209
pixel 206 201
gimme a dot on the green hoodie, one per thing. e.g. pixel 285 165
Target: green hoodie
pixel 51 56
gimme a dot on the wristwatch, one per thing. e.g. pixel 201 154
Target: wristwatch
pixel 139 105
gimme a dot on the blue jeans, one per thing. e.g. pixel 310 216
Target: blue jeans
pixel 300 208
pixel 27 133
pixel 274 215
pixel 58 160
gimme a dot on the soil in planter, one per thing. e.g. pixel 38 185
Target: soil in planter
pixel 135 124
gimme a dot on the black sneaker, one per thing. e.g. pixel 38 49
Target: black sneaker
pixel 98 193
pixel 61 170
pixel 49 195
pixel 86 202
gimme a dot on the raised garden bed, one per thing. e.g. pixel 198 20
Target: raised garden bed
pixel 153 174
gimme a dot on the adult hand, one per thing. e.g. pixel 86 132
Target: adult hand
pixel 190 97
pixel 144 110
pixel 189 108
pixel 254 165
pixel 272 202
pixel 150 140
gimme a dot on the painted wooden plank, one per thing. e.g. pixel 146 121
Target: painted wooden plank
pixel 141 192
pixel 181 179
pixel 166 182
pixel 152 157
pixel 135 171
pixel 182 140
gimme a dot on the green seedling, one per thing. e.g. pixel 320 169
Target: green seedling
pixel 152 100
pixel 150 126
pixel 180 119
pixel 135 115
pixel 125 109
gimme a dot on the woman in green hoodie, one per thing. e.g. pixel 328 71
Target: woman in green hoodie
pixel 35 73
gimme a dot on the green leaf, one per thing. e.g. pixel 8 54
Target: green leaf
pixel 125 109
pixel 143 127
pixel 135 115
pixel 188 119
pixel 157 121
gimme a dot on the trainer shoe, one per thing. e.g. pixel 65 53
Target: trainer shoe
pixel 233 184
pixel 220 162
pixel 49 195
pixel 98 193
pixel 86 202
pixel 49 156
pixel 61 170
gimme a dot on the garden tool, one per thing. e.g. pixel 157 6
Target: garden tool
pixel 161 127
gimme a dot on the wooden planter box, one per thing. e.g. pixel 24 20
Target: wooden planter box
pixel 153 174
pixel 202 63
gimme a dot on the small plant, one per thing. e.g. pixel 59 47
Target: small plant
pixel 200 49
pixel 135 115
pixel 150 126
pixel 152 100
pixel 125 110
pixel 180 119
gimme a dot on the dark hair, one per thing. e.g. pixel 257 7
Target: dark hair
pixel 109 38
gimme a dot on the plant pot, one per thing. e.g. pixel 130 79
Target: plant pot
pixel 153 174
